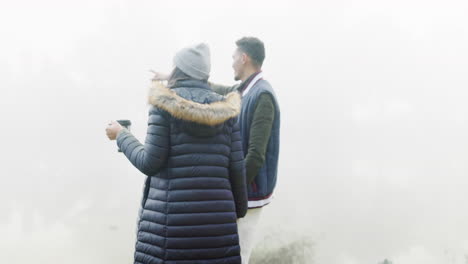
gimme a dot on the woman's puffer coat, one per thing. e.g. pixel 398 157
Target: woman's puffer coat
pixel 195 187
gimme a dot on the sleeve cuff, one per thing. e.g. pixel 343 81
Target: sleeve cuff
pixel 121 136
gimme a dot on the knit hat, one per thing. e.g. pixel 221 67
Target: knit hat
pixel 194 61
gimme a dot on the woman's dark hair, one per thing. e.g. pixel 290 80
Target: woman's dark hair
pixel 175 76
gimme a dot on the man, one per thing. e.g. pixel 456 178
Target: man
pixel 260 129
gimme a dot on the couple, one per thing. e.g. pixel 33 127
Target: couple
pixel 210 157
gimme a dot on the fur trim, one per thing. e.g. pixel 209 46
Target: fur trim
pixel 207 114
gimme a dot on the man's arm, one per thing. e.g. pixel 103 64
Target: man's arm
pixel 222 89
pixel 260 131
pixel 217 88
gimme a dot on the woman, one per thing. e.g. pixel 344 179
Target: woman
pixel 192 156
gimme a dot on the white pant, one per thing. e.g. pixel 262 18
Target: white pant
pixel 247 227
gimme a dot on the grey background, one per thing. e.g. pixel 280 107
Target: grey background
pixel 374 123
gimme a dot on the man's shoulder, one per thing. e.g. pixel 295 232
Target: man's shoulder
pixel 263 86
pixel 264 92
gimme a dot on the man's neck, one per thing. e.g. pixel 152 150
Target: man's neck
pixel 246 81
pixel 249 73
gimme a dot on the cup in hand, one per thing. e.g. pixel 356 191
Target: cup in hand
pixel 125 123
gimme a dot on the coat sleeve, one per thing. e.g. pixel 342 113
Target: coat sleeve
pixel 237 172
pixel 150 157
pixel 222 89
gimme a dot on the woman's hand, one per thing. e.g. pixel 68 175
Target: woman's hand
pixel 113 130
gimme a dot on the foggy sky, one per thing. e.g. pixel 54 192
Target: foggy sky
pixel 374 143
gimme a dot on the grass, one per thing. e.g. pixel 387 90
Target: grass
pixel 298 251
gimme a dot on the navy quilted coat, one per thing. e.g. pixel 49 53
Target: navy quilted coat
pixel 195 188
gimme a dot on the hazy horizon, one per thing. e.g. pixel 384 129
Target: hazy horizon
pixel 374 135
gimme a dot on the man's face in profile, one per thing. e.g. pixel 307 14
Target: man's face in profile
pixel 238 62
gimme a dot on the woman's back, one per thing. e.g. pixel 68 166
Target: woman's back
pixel 195 188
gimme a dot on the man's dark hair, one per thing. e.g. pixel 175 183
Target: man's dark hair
pixel 254 48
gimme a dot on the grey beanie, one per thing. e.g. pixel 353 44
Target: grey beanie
pixel 194 61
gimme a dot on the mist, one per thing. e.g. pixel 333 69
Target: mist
pixel 374 133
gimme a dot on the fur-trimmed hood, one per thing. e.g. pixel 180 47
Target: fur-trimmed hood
pixel 206 114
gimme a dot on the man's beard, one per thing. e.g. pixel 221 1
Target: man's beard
pixel 237 77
